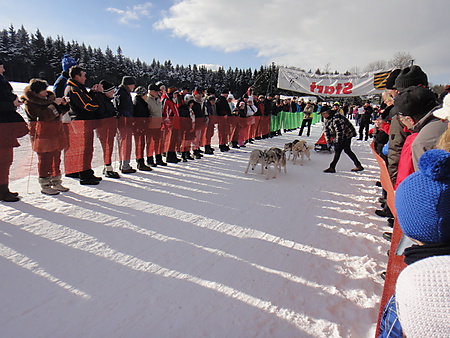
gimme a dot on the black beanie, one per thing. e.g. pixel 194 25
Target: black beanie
pixel 390 81
pixel 411 76
pixel 415 101
pixel 107 86
pixel 38 85
pixel 128 80
pixel 153 87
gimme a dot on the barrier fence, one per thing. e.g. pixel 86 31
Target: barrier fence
pixel 395 263
pixel 82 144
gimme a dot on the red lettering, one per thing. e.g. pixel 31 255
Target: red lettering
pixel 329 90
pixel 312 87
pixel 320 89
pixel 338 88
pixel 348 88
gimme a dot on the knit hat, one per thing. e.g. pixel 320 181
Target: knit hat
pixel 107 86
pixel 171 90
pixel 422 200
pixel 444 112
pixel 67 62
pixel 188 98
pixel 422 295
pixel 38 85
pixel 325 108
pixel 390 81
pixel 153 87
pixel 128 80
pixel 414 101
pixel 411 76
pixel 140 91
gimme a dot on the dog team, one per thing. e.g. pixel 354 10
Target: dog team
pixel 276 157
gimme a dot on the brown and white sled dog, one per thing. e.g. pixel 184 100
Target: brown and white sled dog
pixel 301 149
pixel 276 158
pixel 256 156
pixel 288 148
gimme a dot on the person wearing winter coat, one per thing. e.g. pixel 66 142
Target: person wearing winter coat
pixel 414 107
pixel 223 111
pixel 12 127
pixel 171 120
pixel 61 82
pixel 106 126
pixel 48 136
pixel 141 115
pixel 156 133
pixel 200 123
pixel 124 105
pixel 364 122
pixel 307 119
pixel 186 127
pixel 340 131
pixel 422 204
pixel 83 104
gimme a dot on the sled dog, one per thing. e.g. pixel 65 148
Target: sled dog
pixel 301 149
pixel 256 156
pixel 288 148
pixel 274 157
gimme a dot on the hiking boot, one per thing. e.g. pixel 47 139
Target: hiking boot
pixel 56 183
pixel 142 166
pixel 46 187
pixel 128 171
pixel 329 170
pixel 150 162
pixel 383 213
pixel 358 168
pixel 159 160
pixel 109 172
pixel 6 195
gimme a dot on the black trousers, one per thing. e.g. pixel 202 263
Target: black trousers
pixel 305 123
pixel 364 126
pixel 344 146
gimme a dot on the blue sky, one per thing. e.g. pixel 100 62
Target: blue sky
pixel 250 33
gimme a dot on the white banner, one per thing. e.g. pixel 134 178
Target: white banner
pixel 332 85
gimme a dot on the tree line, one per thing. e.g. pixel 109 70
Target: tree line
pixel 29 56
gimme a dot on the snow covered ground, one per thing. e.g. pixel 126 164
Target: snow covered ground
pixel 197 249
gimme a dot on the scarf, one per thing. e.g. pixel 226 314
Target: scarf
pixel 417 252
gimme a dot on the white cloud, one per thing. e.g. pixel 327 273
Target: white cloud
pixel 311 34
pixel 210 66
pixel 130 15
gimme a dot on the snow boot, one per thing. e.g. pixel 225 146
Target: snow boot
pixel 172 157
pixel 142 166
pixel 6 195
pixel 209 150
pixel 46 186
pixel 87 178
pixel 125 168
pixel 159 160
pixel 188 155
pixel 197 154
pixel 56 183
pixel 150 162
pixel 108 171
